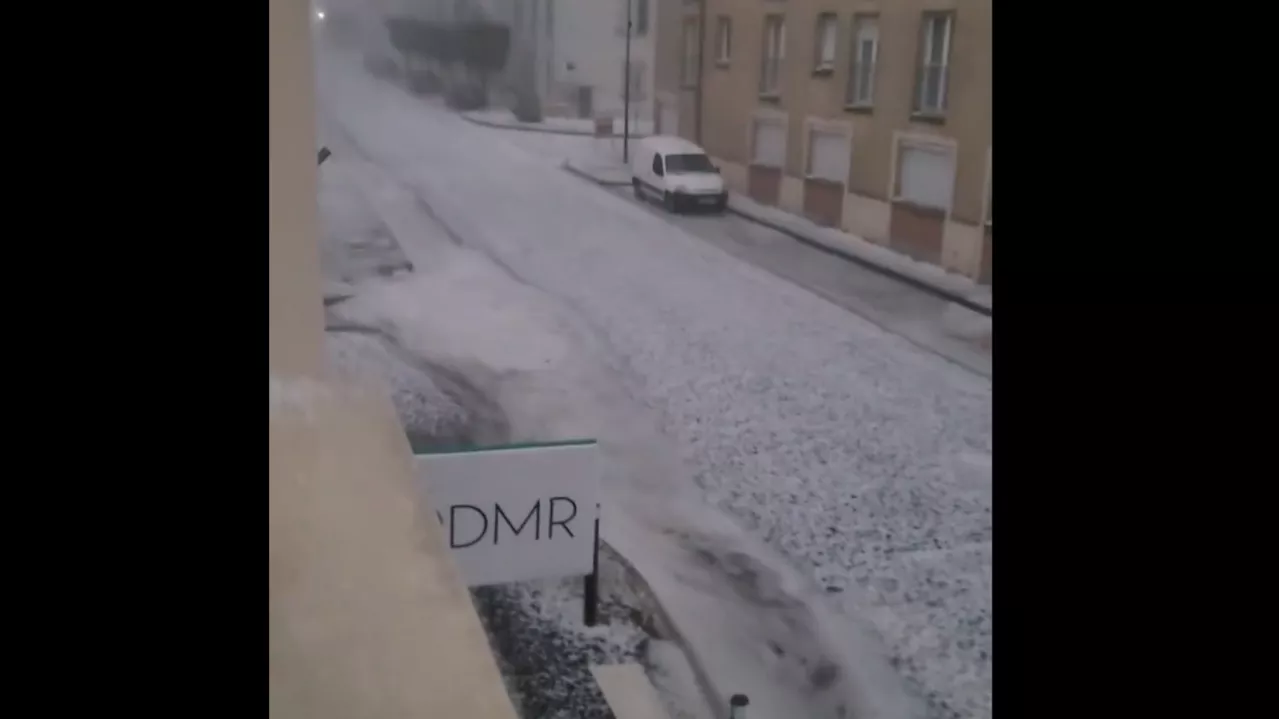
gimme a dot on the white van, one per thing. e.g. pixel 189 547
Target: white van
pixel 678 173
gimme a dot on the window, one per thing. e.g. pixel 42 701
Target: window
pixel 724 40
pixel 828 155
pixel 828 31
pixel 769 142
pixel 775 49
pixel 641 17
pixel 935 47
pixel 862 67
pixel 689 163
pixel 657 165
pixel 689 60
pixel 926 175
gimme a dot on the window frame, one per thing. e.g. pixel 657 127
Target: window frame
pixel 640 22
pixel 925 143
pixel 818 127
pixel 762 118
pixel 825 21
pixel 724 40
pixel 924 64
pixel 778 63
pixel 862 21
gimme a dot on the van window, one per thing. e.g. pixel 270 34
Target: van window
pixel 697 162
pixel 657 165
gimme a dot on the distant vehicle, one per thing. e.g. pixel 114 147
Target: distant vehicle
pixel 677 172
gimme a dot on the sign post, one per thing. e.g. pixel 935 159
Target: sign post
pixel 520 512
pixel 591 583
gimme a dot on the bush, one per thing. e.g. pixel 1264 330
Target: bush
pixel 482 46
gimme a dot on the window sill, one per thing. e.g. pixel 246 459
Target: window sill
pixel 859 109
pixel 824 71
pixel 932 118
pixel 925 210
pixel 823 181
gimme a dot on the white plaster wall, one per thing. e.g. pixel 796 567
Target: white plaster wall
pixel 588 34
pixel 867 218
pixel 791 195
pixel 735 175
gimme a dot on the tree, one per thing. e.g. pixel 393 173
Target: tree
pixel 439 42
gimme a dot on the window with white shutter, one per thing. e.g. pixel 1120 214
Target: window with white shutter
pixel 926 175
pixel 828 156
pixel 769 145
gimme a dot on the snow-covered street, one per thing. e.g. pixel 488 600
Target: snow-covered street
pixel 817 487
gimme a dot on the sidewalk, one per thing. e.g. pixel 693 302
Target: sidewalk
pixel 924 276
pixel 501 118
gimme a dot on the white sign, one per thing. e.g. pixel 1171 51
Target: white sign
pixel 516 513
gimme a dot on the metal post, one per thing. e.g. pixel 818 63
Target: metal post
pixel 626 92
pixel 591 583
pixel 738 706
pixel 697 97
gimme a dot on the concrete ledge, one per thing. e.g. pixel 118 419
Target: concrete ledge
pixel 601 176
pixel 627 690
pixel 659 622
pixel 367 615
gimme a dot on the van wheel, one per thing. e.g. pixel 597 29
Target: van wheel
pixel 635 187
pixel 669 202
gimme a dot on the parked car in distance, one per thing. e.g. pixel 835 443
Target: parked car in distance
pixel 677 172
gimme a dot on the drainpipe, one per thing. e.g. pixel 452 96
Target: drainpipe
pixel 697 91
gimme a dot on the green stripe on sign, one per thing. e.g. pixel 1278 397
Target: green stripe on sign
pixel 505 447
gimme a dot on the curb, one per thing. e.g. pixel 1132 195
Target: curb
pixel 662 624
pixel 845 255
pixel 885 270
pixel 567 167
pixel 543 130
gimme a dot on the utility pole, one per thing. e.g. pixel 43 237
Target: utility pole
pixel 626 91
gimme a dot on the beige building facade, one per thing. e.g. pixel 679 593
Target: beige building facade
pixel 367 615
pixel 873 116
